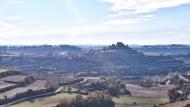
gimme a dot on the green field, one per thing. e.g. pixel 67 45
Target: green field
pixel 73 90
pixel 45 102
pixel 139 100
pixel 53 100
pixel 48 101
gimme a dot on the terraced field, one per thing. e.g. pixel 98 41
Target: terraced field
pixel 5 85
pixel 37 85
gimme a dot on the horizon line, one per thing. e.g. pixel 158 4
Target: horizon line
pixel 91 44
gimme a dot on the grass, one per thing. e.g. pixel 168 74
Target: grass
pixel 139 100
pixel 72 89
pixel 46 102
pixel 50 100
pixel 123 100
pixel 53 100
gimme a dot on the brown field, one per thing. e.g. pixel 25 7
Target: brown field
pixel 37 85
pixel 3 70
pixel 13 92
pixel 15 78
pixel 134 106
pixel 5 85
pixel 159 91
pixel 56 79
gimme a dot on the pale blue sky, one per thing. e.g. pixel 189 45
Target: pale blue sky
pixel 27 22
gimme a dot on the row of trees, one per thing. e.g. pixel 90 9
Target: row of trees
pixel 93 100
pixel 28 93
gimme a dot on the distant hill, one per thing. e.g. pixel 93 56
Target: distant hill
pixel 164 49
pixel 117 59
pixel 123 59
pixel 39 50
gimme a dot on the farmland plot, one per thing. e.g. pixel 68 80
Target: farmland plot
pixel 37 85
pixel 46 101
pixel 58 79
pixel 159 91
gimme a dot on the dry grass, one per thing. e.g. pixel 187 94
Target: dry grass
pixel 134 106
pixel 3 70
pixel 45 102
pixel 124 100
pixel 159 91
pixel 37 85
pixel 15 78
pixel 5 85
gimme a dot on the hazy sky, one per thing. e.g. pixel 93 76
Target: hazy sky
pixel 94 21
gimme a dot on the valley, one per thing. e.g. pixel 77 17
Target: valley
pixel 45 75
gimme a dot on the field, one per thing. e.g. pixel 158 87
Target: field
pixel 134 105
pixel 146 97
pixel 52 100
pixel 73 90
pixel 14 85
pixel 123 100
pixel 5 85
pixel 3 70
pixel 159 91
pixel 45 102
pixel 15 78
pixel 37 85
pixel 57 79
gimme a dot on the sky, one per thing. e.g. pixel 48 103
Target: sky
pixel 96 22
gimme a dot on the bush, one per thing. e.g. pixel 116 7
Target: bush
pixel 188 105
pixel 93 100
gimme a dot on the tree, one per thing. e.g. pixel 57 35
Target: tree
pixel 30 91
pixel 79 101
pixel 65 103
pixel 93 100
pixel 99 100
pixel 114 91
pixel 5 98
pixel 69 89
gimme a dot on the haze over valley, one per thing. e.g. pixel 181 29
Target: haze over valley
pixel 94 53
